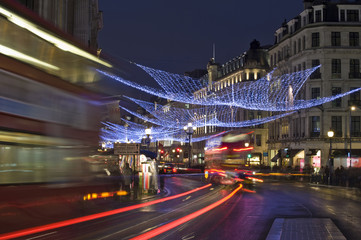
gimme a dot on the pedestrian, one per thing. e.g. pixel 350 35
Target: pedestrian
pixel 135 184
pixel 337 176
pixel 342 176
pixel 327 174
pixel 322 174
pixel 127 178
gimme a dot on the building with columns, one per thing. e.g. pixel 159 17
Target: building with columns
pixel 325 33
pixel 79 18
pixel 251 65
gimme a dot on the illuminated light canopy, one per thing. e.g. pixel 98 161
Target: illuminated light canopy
pixel 119 133
pixel 170 82
pixel 201 116
pixel 61 44
pixel 271 93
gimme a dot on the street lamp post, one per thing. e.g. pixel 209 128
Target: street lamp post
pixel 189 129
pixel 330 134
pixel 352 108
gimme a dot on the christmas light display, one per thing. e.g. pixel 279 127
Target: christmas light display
pixel 216 105
pixel 271 93
pixel 111 133
pixel 200 116
pixel 177 124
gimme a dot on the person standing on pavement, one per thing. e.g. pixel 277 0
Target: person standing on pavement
pixel 327 174
pixel 135 184
pixel 322 174
pixel 127 178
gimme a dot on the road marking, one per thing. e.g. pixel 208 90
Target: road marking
pixel 186 198
pixel 43 235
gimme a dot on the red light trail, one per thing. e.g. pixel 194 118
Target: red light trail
pixel 65 223
pixel 184 219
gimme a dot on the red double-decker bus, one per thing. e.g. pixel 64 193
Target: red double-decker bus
pixel 49 117
pixel 228 150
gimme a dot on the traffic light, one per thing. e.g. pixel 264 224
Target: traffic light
pixel 287 153
pixel 249 155
pixel 161 153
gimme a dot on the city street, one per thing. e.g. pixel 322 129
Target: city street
pixel 249 214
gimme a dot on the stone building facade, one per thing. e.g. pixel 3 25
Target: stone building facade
pixel 325 33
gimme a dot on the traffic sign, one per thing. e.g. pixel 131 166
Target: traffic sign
pixel 126 148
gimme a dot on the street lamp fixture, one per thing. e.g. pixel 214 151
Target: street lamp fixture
pixel 330 134
pixel 189 129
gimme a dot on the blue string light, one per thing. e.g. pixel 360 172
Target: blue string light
pixel 271 93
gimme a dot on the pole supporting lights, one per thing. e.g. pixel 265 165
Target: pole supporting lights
pixel 189 129
pixel 352 108
pixel 330 134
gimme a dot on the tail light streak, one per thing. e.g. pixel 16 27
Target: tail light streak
pixel 255 179
pixel 171 225
pixel 65 223
pixel 242 149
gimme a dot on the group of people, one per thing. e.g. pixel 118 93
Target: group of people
pixel 126 179
pixel 341 176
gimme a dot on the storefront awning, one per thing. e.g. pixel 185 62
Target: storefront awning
pixel 294 152
pixel 275 158
pixel 344 152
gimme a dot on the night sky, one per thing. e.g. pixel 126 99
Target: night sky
pixel 177 36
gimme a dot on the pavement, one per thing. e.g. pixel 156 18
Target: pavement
pixel 304 229
pixel 312 228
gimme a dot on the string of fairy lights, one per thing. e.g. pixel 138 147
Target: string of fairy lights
pixel 215 105
pixel 270 93
pixel 125 134
pixel 201 116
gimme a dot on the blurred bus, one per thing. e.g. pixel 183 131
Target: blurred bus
pixel 49 118
pixel 228 150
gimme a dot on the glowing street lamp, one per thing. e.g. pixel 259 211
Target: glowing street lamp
pixel 352 108
pixel 189 129
pixel 330 134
